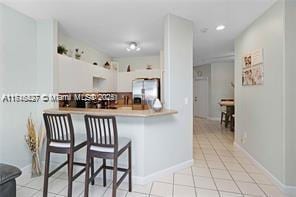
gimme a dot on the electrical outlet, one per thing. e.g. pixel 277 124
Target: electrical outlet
pixel 244 138
pixel 186 100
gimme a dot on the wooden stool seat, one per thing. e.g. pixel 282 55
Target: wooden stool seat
pixel 80 139
pixel 122 145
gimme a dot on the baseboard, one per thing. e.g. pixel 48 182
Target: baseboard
pixel 161 173
pixel 136 179
pixel 289 190
pixel 26 169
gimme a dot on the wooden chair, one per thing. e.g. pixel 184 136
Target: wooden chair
pixel 103 142
pixel 224 114
pixel 60 139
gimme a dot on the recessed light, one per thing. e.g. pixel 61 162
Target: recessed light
pixel 220 27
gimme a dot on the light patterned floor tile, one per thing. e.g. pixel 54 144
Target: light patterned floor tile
pixel 227 194
pixel 201 172
pixel 135 194
pixel 26 192
pixel 145 189
pixel 206 193
pixel 40 194
pixel 57 186
pixel 261 179
pixel 241 176
pixel 119 193
pixel 204 182
pixel 186 171
pixel 96 191
pixel 220 174
pixel 272 191
pixel 184 191
pixel 226 185
pixel 77 189
pixel 250 189
pixel 166 179
pixel 162 189
pixel 183 179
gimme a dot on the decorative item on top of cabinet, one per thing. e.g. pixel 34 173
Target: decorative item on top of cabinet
pixel 78 54
pixel 107 65
pixel 128 68
pixel 149 67
pixel 62 49
pixel 70 53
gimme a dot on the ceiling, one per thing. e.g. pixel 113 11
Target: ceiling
pixel 109 25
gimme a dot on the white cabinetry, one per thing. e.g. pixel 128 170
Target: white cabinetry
pixel 79 76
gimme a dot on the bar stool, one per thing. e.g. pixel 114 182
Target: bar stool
pixel 103 142
pixel 232 122
pixel 60 139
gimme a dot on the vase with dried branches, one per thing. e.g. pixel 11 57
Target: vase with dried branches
pixel 35 141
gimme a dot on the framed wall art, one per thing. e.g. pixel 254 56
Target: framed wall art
pixel 252 68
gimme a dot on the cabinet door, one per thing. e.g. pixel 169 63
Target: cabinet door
pixel 74 75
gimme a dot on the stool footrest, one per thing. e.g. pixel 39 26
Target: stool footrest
pixel 78 174
pixel 57 169
pixel 96 173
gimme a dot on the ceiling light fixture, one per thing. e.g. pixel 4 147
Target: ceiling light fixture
pixel 133 46
pixel 220 27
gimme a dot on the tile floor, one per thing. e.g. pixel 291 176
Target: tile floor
pixel 219 170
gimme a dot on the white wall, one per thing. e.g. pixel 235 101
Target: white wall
pixel 290 71
pixel 259 109
pixel 90 55
pixel 19 66
pixel 137 63
pixel 178 72
pixel 1 77
pixel 27 47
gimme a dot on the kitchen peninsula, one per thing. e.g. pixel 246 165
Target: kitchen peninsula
pixel 149 132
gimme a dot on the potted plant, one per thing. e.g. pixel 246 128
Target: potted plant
pixel 62 49
pixel 107 65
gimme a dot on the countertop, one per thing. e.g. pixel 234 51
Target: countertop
pixel 112 112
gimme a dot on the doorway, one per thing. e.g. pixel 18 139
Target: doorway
pixel 201 96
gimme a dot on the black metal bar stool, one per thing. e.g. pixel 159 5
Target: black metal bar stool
pixel 103 142
pixel 61 140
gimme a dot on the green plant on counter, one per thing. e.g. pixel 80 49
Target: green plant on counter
pixel 62 49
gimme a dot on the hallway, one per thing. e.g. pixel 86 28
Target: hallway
pixel 219 170
pixel 223 167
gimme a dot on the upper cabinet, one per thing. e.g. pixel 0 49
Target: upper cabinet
pixel 80 76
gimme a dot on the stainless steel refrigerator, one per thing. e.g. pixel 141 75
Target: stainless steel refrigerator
pixel 145 91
